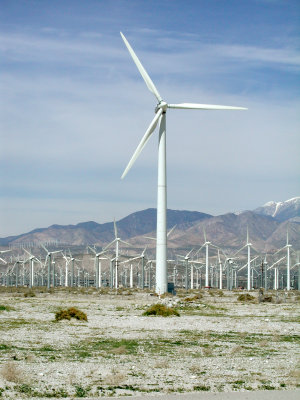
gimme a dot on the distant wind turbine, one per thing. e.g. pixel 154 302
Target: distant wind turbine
pixel 116 240
pixel 160 116
pixel 288 271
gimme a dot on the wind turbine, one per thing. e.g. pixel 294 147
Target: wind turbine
pixel 116 240
pixel 276 272
pixel 98 276
pixel 49 258
pixel 288 272
pixel 31 258
pixel 186 259
pixel 248 245
pixel 206 244
pixel 160 117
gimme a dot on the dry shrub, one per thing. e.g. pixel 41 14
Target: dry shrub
pixel 10 372
pixel 120 350
pixel 193 298
pixel 114 378
pixel 196 369
pixel 30 293
pixel 161 310
pixel 207 351
pixel 236 349
pixel 71 312
pixel 295 374
pixel 263 343
pixel 245 297
pixel 275 338
pixel 161 364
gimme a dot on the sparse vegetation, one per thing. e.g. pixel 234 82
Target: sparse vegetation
pixel 71 312
pixel 144 351
pixel 161 310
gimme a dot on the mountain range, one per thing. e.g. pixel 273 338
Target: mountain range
pixel 267 227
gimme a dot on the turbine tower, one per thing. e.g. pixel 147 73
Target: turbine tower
pixel 160 117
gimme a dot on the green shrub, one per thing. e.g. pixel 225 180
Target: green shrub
pixel 71 312
pixel 201 388
pixel 5 308
pixel 162 310
pixel 81 391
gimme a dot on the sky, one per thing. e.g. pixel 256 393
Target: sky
pixel 74 107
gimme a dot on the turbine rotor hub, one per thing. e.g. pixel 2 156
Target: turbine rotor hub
pixel 163 105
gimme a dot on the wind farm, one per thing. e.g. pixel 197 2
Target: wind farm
pixel 173 273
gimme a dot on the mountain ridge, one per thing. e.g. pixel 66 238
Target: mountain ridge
pixel 267 232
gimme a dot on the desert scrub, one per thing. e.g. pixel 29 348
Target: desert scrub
pixel 245 297
pixel 71 312
pixel 161 310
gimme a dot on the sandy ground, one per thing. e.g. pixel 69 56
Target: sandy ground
pixel 218 346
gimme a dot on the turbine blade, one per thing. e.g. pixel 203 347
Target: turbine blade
pixel 171 230
pixel 93 250
pixel 123 241
pixel 149 237
pixel 143 142
pixel 204 233
pixel 195 106
pixel 189 253
pixel 115 229
pixel 142 70
pixel 109 244
pixel 44 248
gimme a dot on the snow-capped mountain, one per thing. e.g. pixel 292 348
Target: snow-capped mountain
pixel 281 210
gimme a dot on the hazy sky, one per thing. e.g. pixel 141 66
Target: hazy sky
pixel 74 107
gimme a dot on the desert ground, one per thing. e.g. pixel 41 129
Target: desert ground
pixel 218 344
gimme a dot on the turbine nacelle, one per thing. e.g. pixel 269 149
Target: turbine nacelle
pixel 162 105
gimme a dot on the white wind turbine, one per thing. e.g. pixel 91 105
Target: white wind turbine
pixel 206 244
pixel 49 257
pixel 248 245
pixel 160 116
pixel 288 269
pixel 139 257
pixel 186 259
pixel 31 258
pixel 116 240
pixel 98 270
